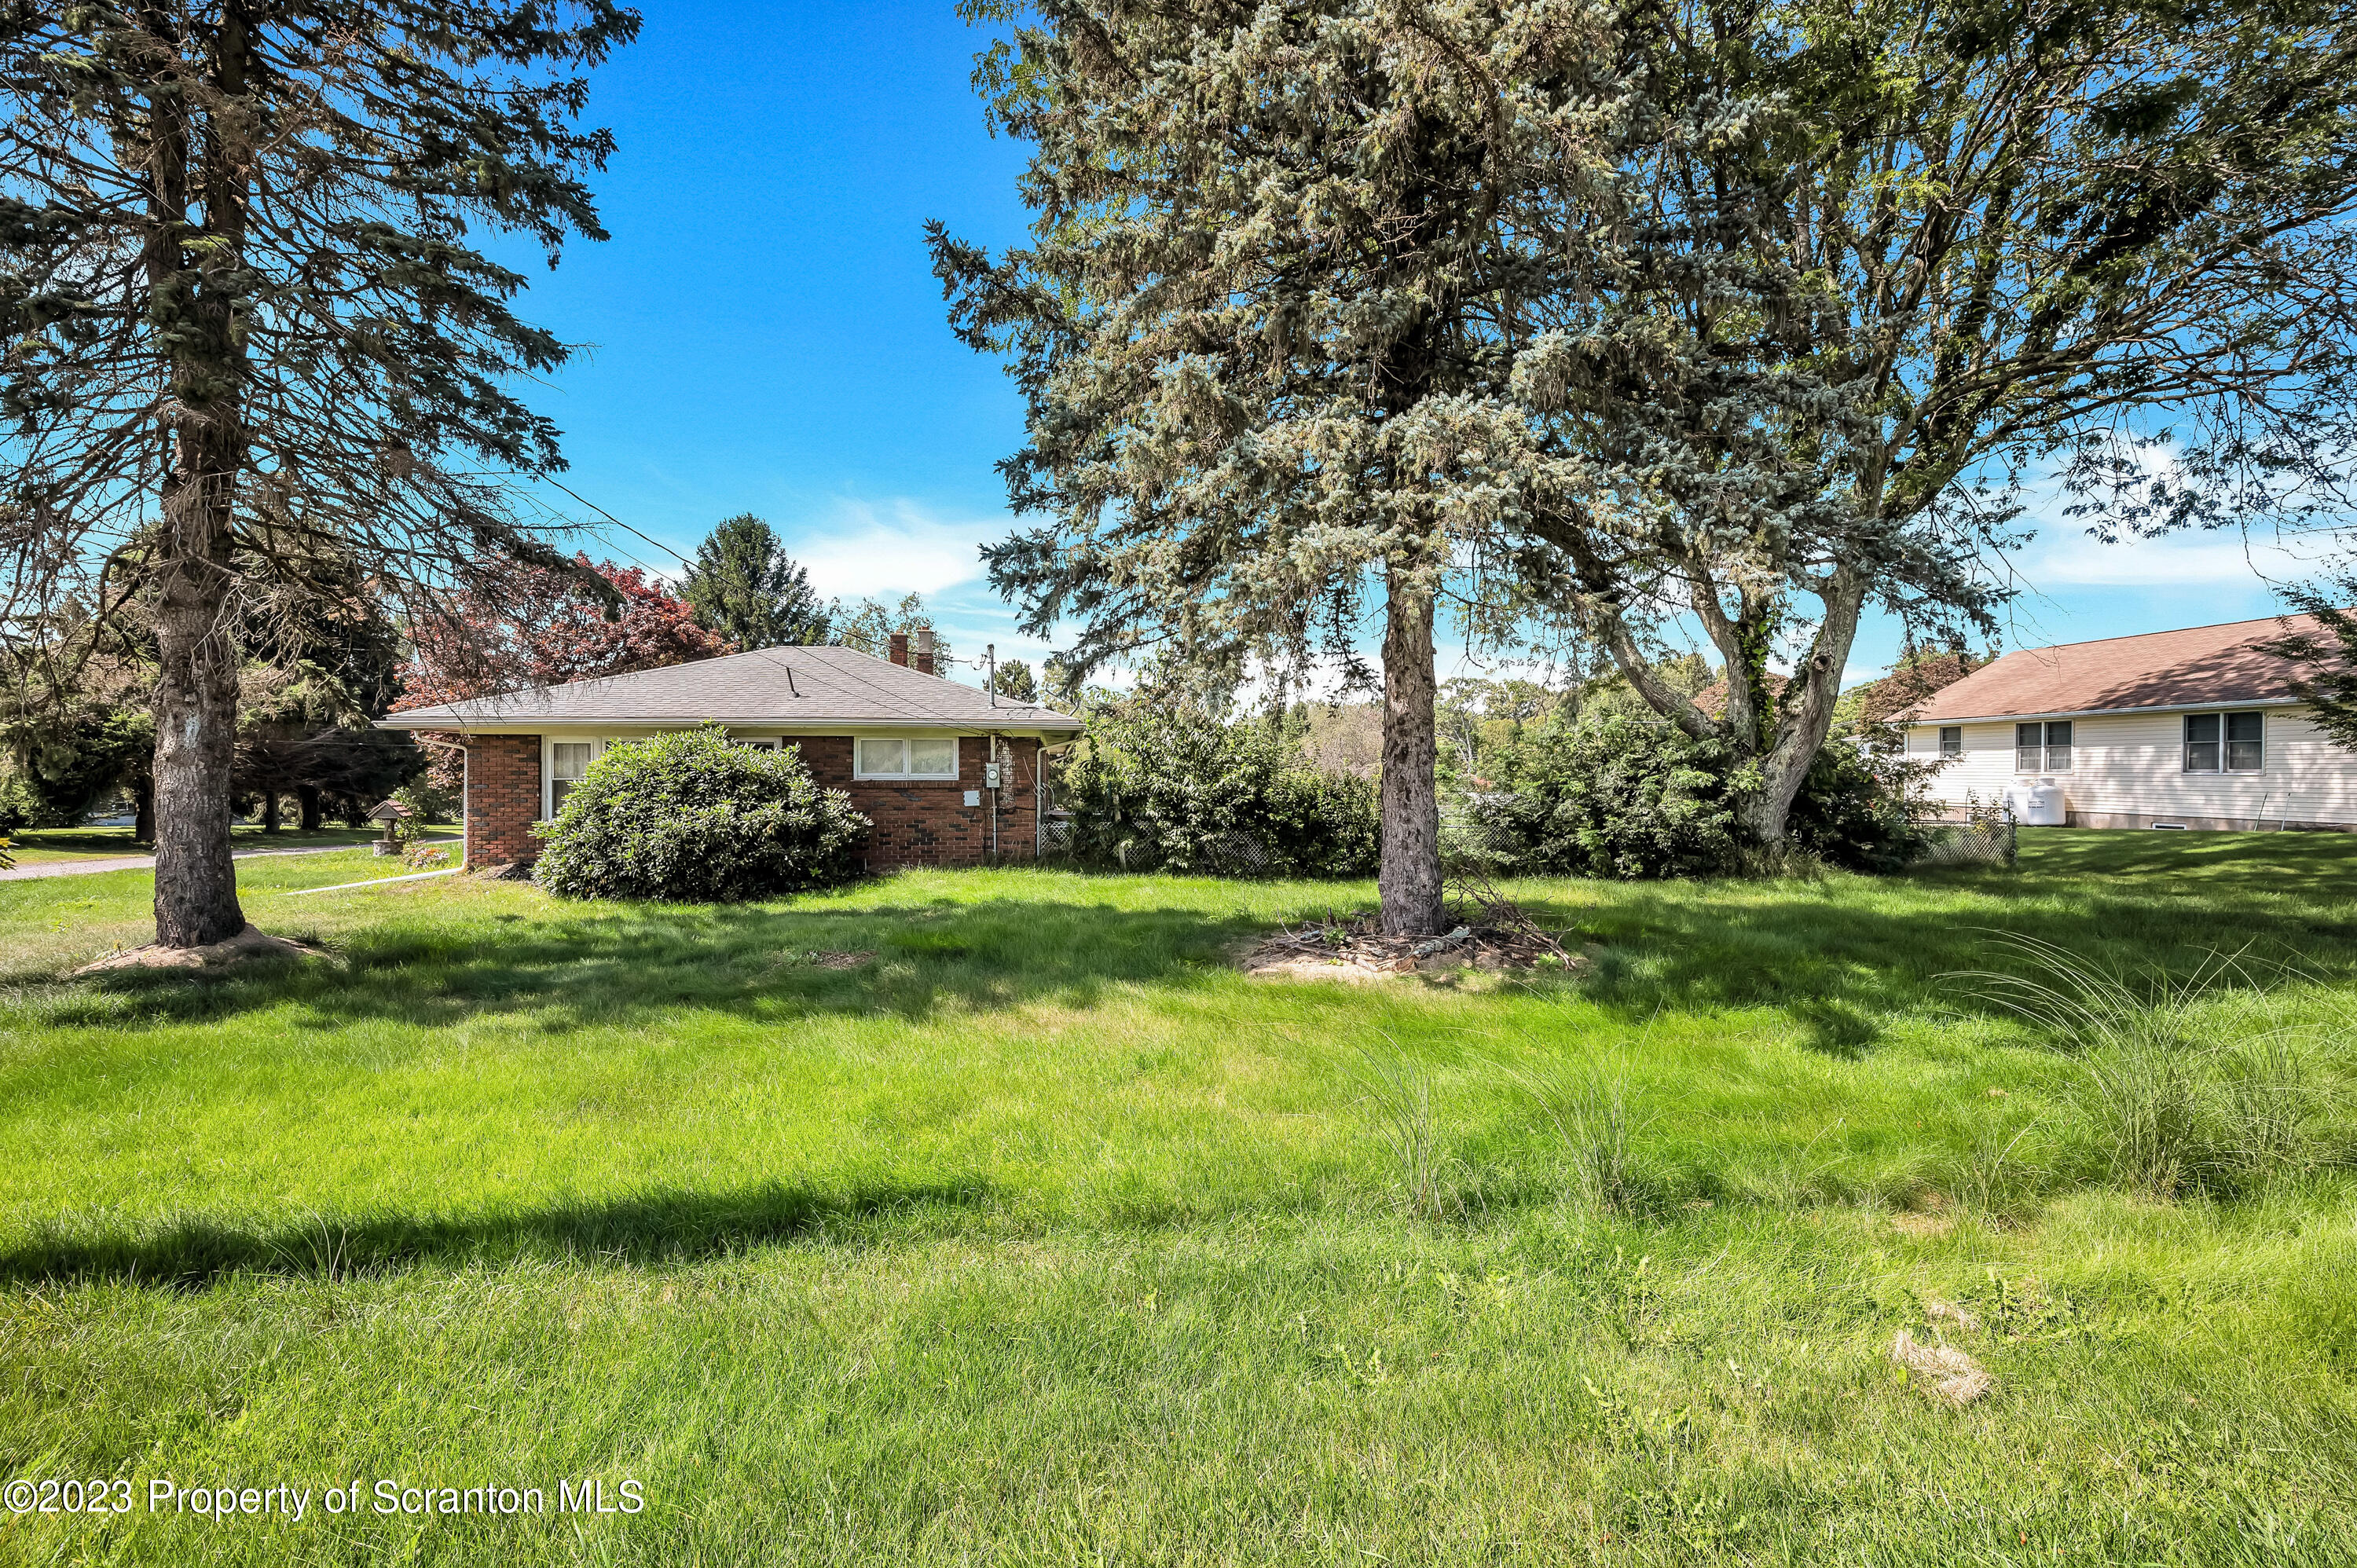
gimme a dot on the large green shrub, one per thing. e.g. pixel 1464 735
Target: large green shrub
pixel 688 817
pixel 1620 797
pixel 1628 798
pixel 1859 807
pixel 1170 788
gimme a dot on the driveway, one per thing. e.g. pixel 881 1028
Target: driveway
pixel 148 862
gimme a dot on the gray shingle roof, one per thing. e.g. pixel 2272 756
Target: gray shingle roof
pixel 793 687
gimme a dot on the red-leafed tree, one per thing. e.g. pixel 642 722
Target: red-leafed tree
pixel 535 627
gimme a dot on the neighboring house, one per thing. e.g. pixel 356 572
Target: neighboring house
pixel 1924 675
pixel 2196 728
pixel 916 753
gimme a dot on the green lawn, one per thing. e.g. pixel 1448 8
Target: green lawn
pixel 1046 1237
pixel 35 846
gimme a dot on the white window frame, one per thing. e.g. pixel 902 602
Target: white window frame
pixel 2225 746
pixel 548 745
pixel 757 742
pixel 1940 742
pixel 2047 746
pixel 859 752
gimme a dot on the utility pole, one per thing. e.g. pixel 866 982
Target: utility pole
pixel 990 671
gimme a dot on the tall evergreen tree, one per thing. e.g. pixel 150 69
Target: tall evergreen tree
pixel 1262 308
pixel 1013 679
pixel 747 589
pixel 246 316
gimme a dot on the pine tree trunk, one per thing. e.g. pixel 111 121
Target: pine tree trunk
pixel 196 685
pixel 143 811
pixel 307 797
pixel 196 709
pixel 270 811
pixel 1410 878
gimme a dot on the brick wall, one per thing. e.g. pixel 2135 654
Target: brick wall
pixel 918 821
pixel 502 798
pixel 927 822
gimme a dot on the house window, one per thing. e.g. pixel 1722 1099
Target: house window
pixel 2043 747
pixel 2247 742
pixel 568 764
pixel 1951 740
pixel 2229 742
pixel 926 759
pixel 759 745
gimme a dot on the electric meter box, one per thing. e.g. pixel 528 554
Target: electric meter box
pixel 990 776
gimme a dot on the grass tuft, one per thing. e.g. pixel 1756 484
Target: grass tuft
pixel 1398 1090
pixel 1589 1110
pixel 2186 1084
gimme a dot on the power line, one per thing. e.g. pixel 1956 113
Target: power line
pixel 684 560
pixel 625 527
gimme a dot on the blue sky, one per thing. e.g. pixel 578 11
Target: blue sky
pixel 765 334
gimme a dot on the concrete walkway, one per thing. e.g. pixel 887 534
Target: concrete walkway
pixel 148 862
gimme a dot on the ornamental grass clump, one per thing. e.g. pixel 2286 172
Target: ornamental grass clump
pixel 688 817
pixel 2186 1085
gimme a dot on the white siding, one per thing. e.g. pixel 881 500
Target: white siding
pixel 2132 765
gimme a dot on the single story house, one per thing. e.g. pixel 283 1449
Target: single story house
pixel 2197 728
pixel 948 776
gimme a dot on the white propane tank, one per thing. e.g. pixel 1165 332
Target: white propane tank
pixel 2038 805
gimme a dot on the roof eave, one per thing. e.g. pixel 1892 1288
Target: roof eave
pixel 2024 717
pixel 426 719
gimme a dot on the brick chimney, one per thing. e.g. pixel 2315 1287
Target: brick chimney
pixel 899 648
pixel 925 649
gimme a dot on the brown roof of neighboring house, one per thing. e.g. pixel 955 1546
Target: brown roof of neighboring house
pixel 2192 667
pixel 794 688
pixel 1881 700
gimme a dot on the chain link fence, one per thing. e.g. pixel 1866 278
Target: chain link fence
pixel 1980 837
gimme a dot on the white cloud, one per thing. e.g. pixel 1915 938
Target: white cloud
pixel 2062 558
pixel 870 551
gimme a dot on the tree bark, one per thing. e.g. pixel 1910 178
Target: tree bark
pixel 143 811
pixel 1410 878
pixel 196 709
pixel 307 797
pixel 1785 768
pixel 270 811
pixel 196 687
pixel 196 682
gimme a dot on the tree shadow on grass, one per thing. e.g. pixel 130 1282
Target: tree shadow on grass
pixel 1837 958
pixel 663 1226
pixel 573 967
pixel 2321 866
pixel 1839 961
